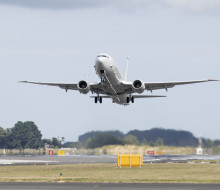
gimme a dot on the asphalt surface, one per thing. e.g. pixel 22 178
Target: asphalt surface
pixel 59 160
pixel 106 186
pixel 86 159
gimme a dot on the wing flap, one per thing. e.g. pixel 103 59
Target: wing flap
pixel 165 85
pixel 66 86
pixel 95 87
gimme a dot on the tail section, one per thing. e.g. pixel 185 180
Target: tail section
pixel 126 71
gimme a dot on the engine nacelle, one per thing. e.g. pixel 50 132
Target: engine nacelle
pixel 138 86
pixel 83 87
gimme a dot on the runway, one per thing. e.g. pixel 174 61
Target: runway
pixel 86 159
pixel 55 160
pixel 107 186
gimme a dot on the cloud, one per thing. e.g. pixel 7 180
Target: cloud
pixel 73 4
pixel 195 5
pixel 53 4
pixel 189 5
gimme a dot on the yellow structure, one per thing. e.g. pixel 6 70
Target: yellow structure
pixel 130 160
pixel 159 152
pixel 61 152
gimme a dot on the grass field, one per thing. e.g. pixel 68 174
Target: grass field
pixel 158 173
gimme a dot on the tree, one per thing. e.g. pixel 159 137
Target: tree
pixel 3 138
pixel 208 143
pixel 151 143
pixel 56 143
pixel 170 137
pixel 45 142
pixel 216 142
pixel 144 141
pixel 83 138
pixel 63 140
pixel 130 139
pixel 102 139
pixel 159 141
pixel 72 145
pixel 25 135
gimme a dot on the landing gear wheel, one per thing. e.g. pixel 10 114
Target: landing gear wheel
pixel 132 99
pixel 96 100
pixel 128 100
pixel 100 100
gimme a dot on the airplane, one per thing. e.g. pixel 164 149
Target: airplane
pixel 114 86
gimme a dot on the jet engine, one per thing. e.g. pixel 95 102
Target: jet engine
pixel 138 86
pixel 83 87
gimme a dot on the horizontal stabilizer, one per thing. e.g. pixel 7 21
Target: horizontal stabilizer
pixel 100 96
pixel 148 96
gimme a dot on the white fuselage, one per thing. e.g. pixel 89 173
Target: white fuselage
pixel 111 78
pixel 114 86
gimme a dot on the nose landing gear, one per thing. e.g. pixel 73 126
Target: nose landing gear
pixel 102 72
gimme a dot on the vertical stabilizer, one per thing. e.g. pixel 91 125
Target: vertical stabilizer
pixel 126 71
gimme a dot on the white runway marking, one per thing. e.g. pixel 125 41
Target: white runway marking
pixel 8 162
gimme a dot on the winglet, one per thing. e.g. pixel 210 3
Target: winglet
pixel 213 80
pixel 126 71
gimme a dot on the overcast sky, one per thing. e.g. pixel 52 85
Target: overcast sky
pixel 58 40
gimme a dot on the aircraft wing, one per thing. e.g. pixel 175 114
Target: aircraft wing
pixel 95 87
pixel 165 85
pixel 70 86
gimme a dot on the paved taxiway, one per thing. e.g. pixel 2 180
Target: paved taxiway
pixel 59 160
pixel 86 159
pixel 106 186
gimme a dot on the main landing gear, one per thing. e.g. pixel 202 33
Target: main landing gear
pixel 130 99
pixel 98 99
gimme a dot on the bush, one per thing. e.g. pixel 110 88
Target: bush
pixel 103 139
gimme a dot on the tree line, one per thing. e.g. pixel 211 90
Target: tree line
pixel 25 135
pixel 152 137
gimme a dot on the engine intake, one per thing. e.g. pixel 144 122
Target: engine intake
pixel 138 86
pixel 83 87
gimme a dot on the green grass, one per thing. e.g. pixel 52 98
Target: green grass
pixel 159 173
pixel 205 161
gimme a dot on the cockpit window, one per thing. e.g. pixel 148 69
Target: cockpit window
pixel 103 56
